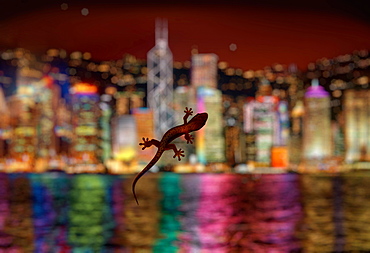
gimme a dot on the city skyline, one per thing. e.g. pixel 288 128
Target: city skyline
pixel 93 108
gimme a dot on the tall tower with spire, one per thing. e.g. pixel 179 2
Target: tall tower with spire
pixel 160 80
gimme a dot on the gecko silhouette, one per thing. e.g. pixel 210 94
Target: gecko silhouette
pixel 196 123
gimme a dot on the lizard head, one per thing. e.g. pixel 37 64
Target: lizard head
pixel 199 120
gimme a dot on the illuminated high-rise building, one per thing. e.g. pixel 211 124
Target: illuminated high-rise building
pixel 85 123
pixel 204 70
pixel 210 141
pixel 356 125
pixel 128 100
pixel 184 96
pixel 144 128
pixel 160 80
pixel 265 120
pixel 295 139
pixel 22 148
pixel 106 132
pixel 317 141
pixel 250 136
pixel 260 125
pixel 63 128
pixel 46 95
pixel 125 140
pixel 234 138
pixel 4 123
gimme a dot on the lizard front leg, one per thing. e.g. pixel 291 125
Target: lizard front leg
pixel 189 138
pixel 148 143
pixel 188 112
pixel 178 152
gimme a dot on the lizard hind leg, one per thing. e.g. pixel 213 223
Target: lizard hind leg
pixel 148 143
pixel 178 152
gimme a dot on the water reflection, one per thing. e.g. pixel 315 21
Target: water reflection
pixel 227 213
pixel 318 230
pixel 356 212
pixel 185 213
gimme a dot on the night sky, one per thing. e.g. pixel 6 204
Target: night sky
pixel 265 33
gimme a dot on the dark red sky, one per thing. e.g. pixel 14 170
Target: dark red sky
pixel 265 33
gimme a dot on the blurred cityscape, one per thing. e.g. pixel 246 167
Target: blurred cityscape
pixel 64 111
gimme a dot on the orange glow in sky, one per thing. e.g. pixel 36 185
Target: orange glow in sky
pixel 247 37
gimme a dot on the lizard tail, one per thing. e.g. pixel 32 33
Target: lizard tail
pixel 138 176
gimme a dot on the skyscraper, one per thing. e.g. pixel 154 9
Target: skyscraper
pixel 317 143
pixel 85 118
pixel 160 80
pixel 4 111
pixel 209 99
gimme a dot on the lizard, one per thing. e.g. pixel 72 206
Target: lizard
pixel 196 123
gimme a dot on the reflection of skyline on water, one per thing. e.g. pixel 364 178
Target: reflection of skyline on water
pixel 185 213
